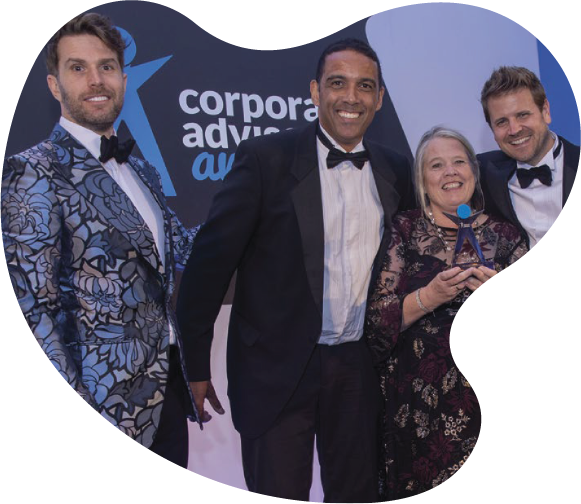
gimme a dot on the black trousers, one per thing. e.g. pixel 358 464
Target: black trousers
pixel 336 403
pixel 171 439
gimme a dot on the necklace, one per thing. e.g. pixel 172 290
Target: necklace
pixel 447 240
pixel 447 243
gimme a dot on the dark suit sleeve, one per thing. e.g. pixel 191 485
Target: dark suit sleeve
pixel 570 166
pixel 405 187
pixel 489 201
pixel 32 233
pixel 217 251
pixel 495 172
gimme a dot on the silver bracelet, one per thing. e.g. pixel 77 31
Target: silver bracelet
pixel 420 304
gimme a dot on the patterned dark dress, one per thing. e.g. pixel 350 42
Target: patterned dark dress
pixel 432 417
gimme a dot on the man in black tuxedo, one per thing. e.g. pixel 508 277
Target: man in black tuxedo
pixel 529 180
pixel 303 239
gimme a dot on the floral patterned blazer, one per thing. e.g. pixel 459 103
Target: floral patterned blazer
pixel 89 279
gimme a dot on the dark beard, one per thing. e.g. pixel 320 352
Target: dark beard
pixel 99 125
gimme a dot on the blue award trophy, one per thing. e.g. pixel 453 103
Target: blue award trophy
pixel 469 255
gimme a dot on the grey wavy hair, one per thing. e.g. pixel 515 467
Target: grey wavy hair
pixel 477 200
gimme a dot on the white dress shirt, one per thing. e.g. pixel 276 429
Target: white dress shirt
pixel 538 205
pixel 139 194
pixel 353 222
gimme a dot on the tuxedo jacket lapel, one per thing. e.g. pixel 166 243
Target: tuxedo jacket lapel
pixel 570 165
pixel 308 205
pixel 149 178
pixel 385 183
pixel 499 174
pixel 114 207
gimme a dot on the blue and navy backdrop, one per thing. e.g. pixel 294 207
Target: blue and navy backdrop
pixel 191 98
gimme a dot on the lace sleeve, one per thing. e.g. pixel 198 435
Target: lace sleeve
pixel 519 250
pixel 384 310
pixel 511 245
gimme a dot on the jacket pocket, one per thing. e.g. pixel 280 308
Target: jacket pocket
pixel 247 332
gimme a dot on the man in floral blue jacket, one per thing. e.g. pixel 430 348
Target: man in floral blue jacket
pixel 91 247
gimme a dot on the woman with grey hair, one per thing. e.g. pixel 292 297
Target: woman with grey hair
pixel 432 418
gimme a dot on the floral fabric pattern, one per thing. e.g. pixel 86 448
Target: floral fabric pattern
pixel 431 419
pixel 88 277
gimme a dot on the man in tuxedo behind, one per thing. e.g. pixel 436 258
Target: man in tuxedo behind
pixel 301 218
pixel 91 247
pixel 529 180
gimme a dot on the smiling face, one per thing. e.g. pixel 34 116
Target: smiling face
pixel 348 96
pixel 448 177
pixel 520 128
pixel 90 84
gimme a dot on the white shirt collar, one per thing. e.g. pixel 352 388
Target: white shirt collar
pixel 87 138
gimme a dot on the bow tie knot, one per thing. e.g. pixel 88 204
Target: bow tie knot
pixel 336 156
pixel 112 148
pixel 526 176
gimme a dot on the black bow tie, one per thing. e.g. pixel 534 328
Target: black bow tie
pixel 525 177
pixel 543 173
pixel 111 148
pixel 336 156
